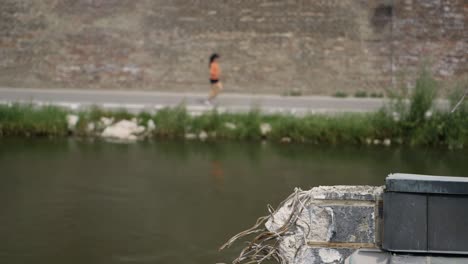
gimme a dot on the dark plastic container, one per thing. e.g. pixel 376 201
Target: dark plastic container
pixel 426 214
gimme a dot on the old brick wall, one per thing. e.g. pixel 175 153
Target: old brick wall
pixel 267 46
pixel 431 32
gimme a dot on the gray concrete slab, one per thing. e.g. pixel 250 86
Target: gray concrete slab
pixel 373 256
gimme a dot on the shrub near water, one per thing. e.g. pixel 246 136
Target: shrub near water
pixel 25 120
pixel 172 122
pixel 441 129
pixel 420 124
pixel 422 99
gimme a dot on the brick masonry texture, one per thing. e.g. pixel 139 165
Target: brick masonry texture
pixel 267 46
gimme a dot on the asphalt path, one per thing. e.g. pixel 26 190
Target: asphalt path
pixel 136 101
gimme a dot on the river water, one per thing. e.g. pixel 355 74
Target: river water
pixel 76 201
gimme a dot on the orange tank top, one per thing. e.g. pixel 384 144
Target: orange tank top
pixel 214 71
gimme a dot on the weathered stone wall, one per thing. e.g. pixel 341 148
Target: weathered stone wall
pixel 333 223
pixel 270 46
pixel 432 32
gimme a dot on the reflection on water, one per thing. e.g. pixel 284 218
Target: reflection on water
pixel 217 174
pixel 72 201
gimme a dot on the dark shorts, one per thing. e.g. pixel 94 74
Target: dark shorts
pixel 214 81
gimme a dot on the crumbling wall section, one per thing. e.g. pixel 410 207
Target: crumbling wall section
pixel 335 222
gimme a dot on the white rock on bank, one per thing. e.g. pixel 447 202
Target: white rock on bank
pixel 91 127
pixel 151 125
pixel 123 130
pixel 190 136
pixel 428 114
pixel 265 129
pixel 230 126
pixel 132 138
pixel 203 135
pixel 72 120
pixel 387 142
pixel 107 121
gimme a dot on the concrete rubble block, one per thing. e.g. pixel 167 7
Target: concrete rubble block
pixel 354 224
pixel 348 193
pixel 340 224
pixel 316 255
pixel 280 217
pixel 332 221
pixel 315 223
pixel 322 224
pixel 291 248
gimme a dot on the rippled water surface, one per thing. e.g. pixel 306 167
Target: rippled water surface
pixel 74 201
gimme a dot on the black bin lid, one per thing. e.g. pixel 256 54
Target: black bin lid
pixel 412 183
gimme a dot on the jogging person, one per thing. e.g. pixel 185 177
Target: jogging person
pixel 215 72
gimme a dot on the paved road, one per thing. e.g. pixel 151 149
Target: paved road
pixel 136 101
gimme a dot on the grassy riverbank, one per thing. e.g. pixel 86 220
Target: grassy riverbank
pixel 412 123
pixel 424 129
